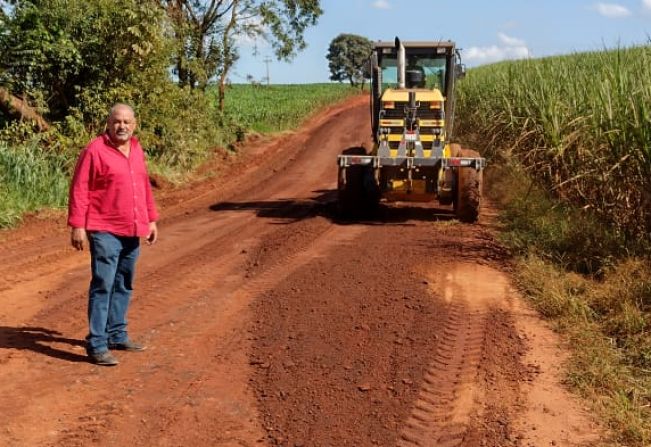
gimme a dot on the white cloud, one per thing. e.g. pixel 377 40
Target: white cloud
pixel 510 41
pixel 381 4
pixel 510 48
pixel 486 55
pixel 613 10
pixel 646 5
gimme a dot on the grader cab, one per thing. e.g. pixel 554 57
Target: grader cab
pixel 412 116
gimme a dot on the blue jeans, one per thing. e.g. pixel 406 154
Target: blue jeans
pixel 113 262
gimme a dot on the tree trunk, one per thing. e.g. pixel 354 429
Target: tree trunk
pixel 17 108
pixel 228 60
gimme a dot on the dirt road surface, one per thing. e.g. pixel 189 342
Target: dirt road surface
pixel 270 323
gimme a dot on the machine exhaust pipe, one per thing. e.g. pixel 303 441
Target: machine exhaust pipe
pixel 401 63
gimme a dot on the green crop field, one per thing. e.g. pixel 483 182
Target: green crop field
pixel 280 107
pixel 580 123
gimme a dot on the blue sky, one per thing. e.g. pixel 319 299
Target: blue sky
pixel 487 31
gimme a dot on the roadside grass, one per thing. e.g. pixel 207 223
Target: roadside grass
pixel 30 179
pixel 594 289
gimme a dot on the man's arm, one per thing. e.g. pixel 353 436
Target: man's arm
pixel 78 201
pixel 152 212
pixel 152 237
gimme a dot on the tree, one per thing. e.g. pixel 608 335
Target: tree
pixel 207 32
pixel 348 59
pixel 11 106
pixel 61 55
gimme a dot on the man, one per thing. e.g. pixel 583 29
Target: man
pixel 111 206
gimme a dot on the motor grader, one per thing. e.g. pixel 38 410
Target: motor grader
pixel 412 116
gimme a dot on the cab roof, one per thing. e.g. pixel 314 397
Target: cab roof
pixel 448 44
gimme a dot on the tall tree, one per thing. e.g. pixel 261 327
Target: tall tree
pixel 348 59
pixel 207 33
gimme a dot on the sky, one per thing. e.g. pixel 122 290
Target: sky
pixel 486 31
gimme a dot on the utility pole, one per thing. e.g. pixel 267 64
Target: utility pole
pixel 267 61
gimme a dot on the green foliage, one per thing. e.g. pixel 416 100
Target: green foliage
pixel 206 32
pixel 348 58
pixel 580 124
pixel 288 20
pixel 179 127
pixel 279 107
pixel 79 58
pixel 56 51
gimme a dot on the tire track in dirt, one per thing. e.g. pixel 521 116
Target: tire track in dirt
pixel 446 400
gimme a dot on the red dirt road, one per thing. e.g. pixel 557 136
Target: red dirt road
pixel 270 323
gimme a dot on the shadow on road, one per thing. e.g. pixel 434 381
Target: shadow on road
pixel 38 339
pixel 325 205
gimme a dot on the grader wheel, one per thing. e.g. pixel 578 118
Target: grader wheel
pixel 358 194
pixel 350 191
pixel 468 193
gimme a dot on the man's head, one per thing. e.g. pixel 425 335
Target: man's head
pixel 121 123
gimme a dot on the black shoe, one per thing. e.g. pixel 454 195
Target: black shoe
pixel 127 346
pixel 104 359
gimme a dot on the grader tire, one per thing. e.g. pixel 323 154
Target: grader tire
pixel 468 194
pixel 351 191
pixel 358 194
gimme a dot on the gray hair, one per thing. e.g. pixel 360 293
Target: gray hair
pixel 120 105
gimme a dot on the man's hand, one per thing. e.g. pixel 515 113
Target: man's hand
pixel 152 237
pixel 78 238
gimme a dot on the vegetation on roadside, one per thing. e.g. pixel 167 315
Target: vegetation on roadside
pixel 31 177
pixel 571 139
pixel 35 167
pixel 65 63
pixel 604 316
pixel 580 124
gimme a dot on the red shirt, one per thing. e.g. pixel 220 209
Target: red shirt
pixel 111 192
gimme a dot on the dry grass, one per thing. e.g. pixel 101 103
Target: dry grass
pixel 605 316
